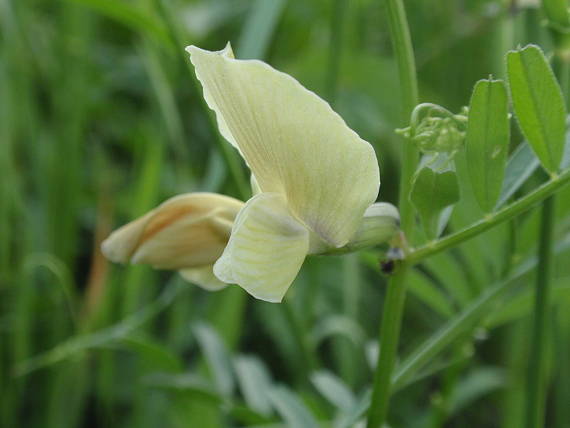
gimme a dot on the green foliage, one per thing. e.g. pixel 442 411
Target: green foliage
pixel 101 119
pixel 557 13
pixel 538 104
pixel 293 411
pixel 522 163
pixel 487 141
pixel 434 191
pixel 258 28
pixel 333 389
pixel 255 383
pixel 217 358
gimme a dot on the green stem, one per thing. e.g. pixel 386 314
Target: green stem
pixel 395 298
pixel 389 338
pixel 469 316
pixel 536 393
pixel 459 326
pixel 491 220
pixel 537 382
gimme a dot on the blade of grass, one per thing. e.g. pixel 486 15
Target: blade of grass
pixel 144 199
pixel 178 38
pixel 130 16
pixel 156 64
pixel 522 163
pixel 102 338
pixel 259 28
pixel 536 386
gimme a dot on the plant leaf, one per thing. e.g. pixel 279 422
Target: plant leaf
pixel 339 325
pixel 291 408
pixel 487 141
pixel 255 383
pixel 566 157
pixel 423 288
pixel 522 163
pixel 434 191
pixel 538 104
pixel 155 355
pixel 557 13
pixel 476 384
pixel 259 28
pixel 130 16
pixel 217 357
pixel 104 337
pixel 522 304
pixel 189 383
pixel 333 389
pixel 352 415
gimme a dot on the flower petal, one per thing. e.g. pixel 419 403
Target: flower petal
pixel 186 231
pixel 292 140
pixel 266 248
pixel 203 277
pixel 121 244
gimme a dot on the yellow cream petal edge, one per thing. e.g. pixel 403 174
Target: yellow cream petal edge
pixel 266 249
pixel 121 243
pixel 292 140
pixel 124 244
pixel 227 52
pixel 203 277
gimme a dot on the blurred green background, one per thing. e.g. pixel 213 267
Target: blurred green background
pixel 101 119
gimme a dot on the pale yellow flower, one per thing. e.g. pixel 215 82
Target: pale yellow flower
pixel 316 177
pixel 187 233
pixel 314 181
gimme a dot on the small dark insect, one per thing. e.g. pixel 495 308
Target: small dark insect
pixel 387 267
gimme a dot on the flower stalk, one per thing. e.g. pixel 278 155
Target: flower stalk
pixel 395 298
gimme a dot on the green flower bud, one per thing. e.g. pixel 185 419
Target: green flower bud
pixel 436 130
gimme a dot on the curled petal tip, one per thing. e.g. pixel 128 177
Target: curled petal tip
pixel 121 244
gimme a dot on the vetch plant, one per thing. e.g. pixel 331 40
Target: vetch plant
pixel 538 104
pixel 315 181
pixel 480 238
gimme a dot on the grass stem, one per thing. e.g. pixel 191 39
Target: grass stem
pixel 536 392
